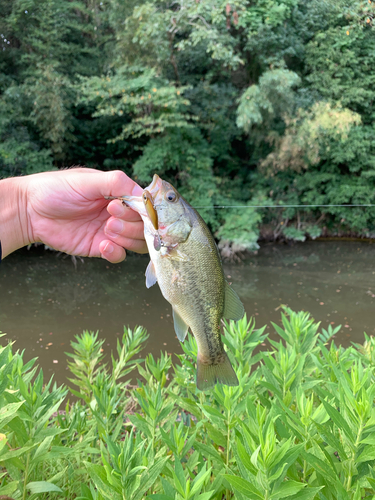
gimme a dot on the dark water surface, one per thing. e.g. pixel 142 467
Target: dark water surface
pixel 45 301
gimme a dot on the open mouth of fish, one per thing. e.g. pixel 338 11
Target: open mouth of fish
pixel 144 204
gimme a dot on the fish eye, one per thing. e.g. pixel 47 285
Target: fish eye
pixel 171 196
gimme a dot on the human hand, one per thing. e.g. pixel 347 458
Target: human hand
pixel 67 211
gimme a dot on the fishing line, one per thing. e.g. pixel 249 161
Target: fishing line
pixel 263 206
pixel 283 206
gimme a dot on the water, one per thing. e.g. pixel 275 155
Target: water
pixel 45 301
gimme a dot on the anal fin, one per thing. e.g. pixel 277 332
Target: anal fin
pixel 233 307
pixel 180 327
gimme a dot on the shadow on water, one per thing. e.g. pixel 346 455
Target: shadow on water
pixel 45 301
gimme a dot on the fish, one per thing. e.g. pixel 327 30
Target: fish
pixel 186 264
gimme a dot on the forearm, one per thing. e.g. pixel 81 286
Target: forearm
pixel 13 215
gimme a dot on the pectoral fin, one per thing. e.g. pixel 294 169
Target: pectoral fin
pixel 174 254
pixel 151 278
pixel 180 327
pixel 233 307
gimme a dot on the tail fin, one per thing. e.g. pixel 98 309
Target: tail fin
pixel 208 374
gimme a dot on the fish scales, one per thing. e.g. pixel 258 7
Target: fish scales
pixel 198 292
pixel 186 264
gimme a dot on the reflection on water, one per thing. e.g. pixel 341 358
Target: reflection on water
pixel 45 301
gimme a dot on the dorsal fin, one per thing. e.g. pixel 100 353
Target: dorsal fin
pixel 233 307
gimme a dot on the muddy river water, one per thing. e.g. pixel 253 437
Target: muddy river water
pixel 45 300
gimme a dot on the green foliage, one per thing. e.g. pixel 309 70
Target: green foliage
pixel 234 103
pixel 240 229
pixel 307 135
pixel 50 115
pixel 270 99
pixel 148 104
pixel 292 233
pixel 339 57
pixel 299 425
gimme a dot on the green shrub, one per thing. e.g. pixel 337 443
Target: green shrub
pixel 299 425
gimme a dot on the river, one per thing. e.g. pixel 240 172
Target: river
pixel 45 300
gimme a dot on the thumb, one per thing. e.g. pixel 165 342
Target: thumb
pixel 113 183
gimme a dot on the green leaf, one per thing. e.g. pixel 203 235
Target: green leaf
pixel 16 453
pixel 306 494
pixel 338 420
pixel 209 451
pixel 369 479
pixel 321 467
pixel 243 487
pixel 99 478
pixel 367 454
pixel 217 436
pixel 368 440
pixel 42 487
pixel 160 496
pixel 179 472
pixel 43 448
pixel 8 412
pixel 169 490
pixel 331 439
pixel 9 488
pixel 213 412
pixel 149 477
pixel 244 457
pixel 205 496
pixel 286 489
pixel 199 480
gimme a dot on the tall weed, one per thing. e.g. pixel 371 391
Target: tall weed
pixel 299 425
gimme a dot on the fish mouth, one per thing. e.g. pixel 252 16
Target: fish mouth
pixel 137 203
pixel 155 186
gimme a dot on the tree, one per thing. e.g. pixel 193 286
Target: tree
pixel 236 103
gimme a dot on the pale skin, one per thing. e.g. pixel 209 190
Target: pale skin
pixel 67 211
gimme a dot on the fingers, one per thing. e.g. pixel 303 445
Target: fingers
pixel 95 184
pixel 125 227
pixel 117 183
pixel 118 209
pixel 115 253
pixel 111 252
pixel 118 227
pixel 126 234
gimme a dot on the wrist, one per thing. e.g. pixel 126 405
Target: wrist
pixel 14 229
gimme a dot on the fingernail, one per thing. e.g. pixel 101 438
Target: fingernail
pixel 137 190
pixel 109 248
pixel 115 226
pixel 118 209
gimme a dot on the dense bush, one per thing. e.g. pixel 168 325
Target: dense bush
pixel 300 424
pixel 241 103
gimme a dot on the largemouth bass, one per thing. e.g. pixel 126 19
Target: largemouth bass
pixel 186 264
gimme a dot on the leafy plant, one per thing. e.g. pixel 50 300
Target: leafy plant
pixel 299 425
